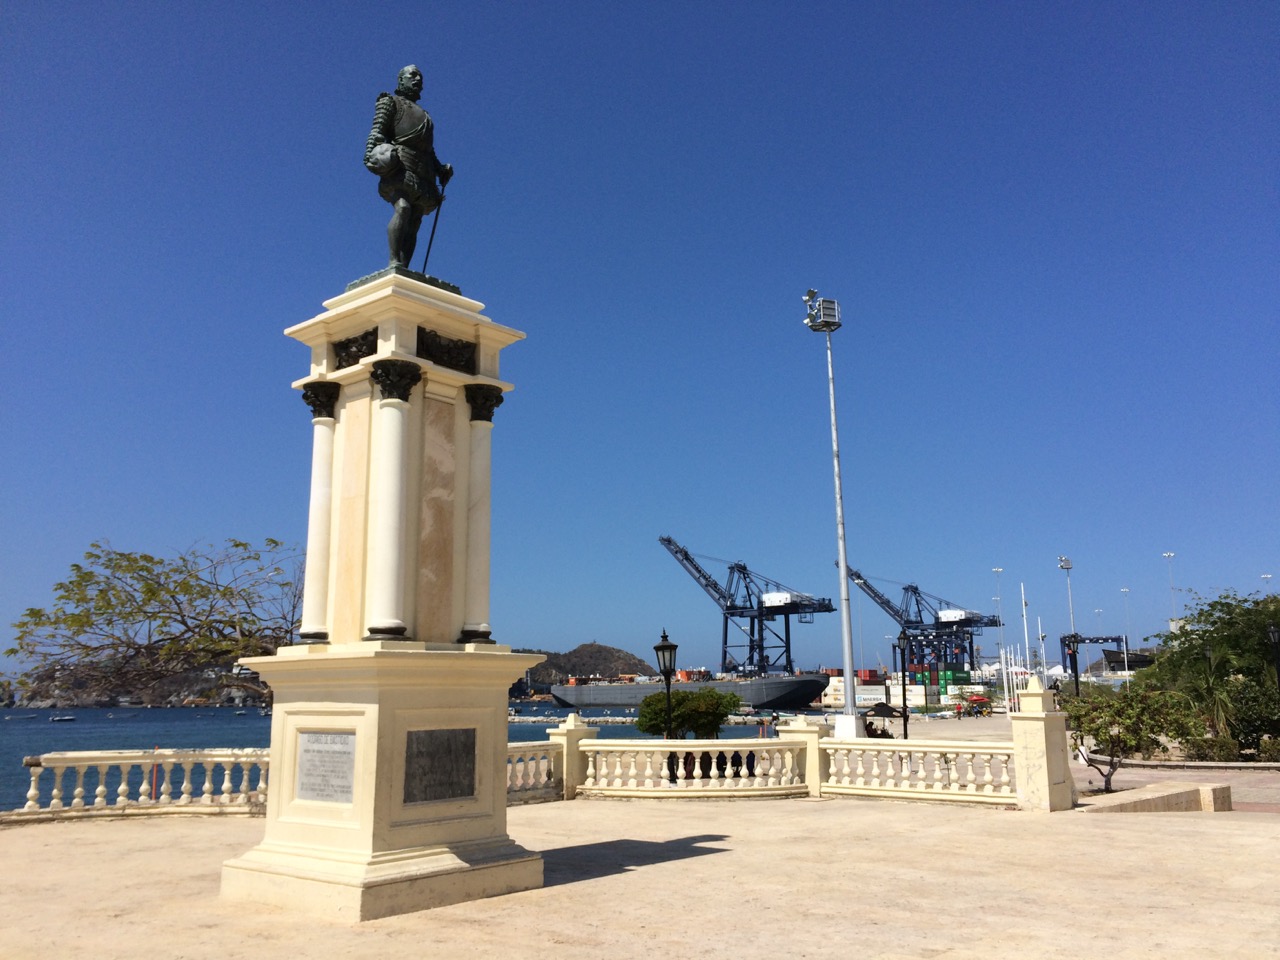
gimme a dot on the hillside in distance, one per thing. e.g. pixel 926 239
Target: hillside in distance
pixel 586 660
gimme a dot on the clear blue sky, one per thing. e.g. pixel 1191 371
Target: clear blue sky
pixel 1052 229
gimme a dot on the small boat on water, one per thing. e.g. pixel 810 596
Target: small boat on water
pixel 61 719
pixel 25 716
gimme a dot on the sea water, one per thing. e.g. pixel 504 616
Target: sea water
pixel 25 733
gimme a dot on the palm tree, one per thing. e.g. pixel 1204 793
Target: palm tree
pixel 1209 689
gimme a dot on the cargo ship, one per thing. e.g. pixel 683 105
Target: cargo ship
pixel 793 692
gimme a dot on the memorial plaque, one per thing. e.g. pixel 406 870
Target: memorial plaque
pixel 439 765
pixel 326 766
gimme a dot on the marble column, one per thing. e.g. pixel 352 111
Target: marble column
pixel 395 380
pixel 322 398
pixel 483 400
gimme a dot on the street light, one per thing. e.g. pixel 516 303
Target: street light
pixel 999 612
pixel 904 645
pixel 1173 612
pixel 1125 591
pixel 1266 582
pixel 1088 657
pixel 1064 563
pixel 665 651
pixel 824 317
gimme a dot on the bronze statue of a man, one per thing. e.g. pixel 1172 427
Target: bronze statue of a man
pixel 401 151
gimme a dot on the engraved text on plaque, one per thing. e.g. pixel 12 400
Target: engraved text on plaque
pixel 326 766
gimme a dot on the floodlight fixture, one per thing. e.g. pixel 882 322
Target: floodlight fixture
pixel 823 315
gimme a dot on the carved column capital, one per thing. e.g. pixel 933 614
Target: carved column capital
pixel 322 397
pixel 395 378
pixel 483 399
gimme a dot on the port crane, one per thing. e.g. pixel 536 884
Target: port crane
pixel 931 629
pixel 752 603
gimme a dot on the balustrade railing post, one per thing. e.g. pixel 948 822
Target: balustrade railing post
pixel 77 798
pixel 55 797
pixel 1041 753
pixel 569 735
pixel 814 761
pixel 33 792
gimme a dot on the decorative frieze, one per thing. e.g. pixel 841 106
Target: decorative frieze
pixel 484 400
pixel 349 352
pixel 457 355
pixel 395 378
pixel 321 396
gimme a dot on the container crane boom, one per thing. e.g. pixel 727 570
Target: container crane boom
pixel 933 628
pixel 746 596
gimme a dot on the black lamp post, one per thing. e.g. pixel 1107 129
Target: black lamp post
pixel 904 648
pixel 665 651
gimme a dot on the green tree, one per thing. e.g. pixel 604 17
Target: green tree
pixel 1230 626
pixel 1255 711
pixel 1221 653
pixel 698 712
pixel 123 623
pixel 1135 721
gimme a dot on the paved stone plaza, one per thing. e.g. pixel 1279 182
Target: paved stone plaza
pixel 795 878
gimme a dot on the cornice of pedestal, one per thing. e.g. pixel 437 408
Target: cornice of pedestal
pixel 401 305
pixel 439 381
pixel 396 316
pixel 395 662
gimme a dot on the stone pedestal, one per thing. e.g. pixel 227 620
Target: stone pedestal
pixel 403 387
pixel 389 731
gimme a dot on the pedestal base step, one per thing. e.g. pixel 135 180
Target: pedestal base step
pixel 355 892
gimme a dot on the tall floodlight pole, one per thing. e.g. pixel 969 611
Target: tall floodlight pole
pixel 999 612
pixel 1064 563
pixel 1026 634
pixel 824 317
pixel 1173 606
pixel 1125 591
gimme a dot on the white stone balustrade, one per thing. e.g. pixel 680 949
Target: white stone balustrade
pixel 803 760
pixel 149 781
pixel 747 768
pixel 947 770
pixel 535 772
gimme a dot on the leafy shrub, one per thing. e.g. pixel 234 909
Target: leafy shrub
pixel 698 712
pixel 1211 749
pixel 1269 751
pixel 1127 723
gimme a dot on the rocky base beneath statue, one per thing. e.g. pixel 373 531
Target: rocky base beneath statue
pixel 405 272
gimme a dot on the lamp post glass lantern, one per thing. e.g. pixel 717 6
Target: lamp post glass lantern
pixel 824 317
pixel 1064 563
pixel 665 651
